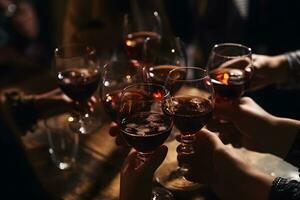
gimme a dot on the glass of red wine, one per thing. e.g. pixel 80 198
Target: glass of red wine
pixel 116 75
pixel 143 124
pixel 231 69
pixel 139 26
pixel 76 68
pixel 161 57
pixel 191 107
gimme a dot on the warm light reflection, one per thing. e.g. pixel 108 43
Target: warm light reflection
pixel 106 83
pixel 70 119
pixel 130 43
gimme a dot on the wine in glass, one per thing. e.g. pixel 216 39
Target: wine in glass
pixel 77 72
pixel 230 68
pixel 160 58
pixel 144 125
pixel 191 106
pixel 116 75
pixel 137 28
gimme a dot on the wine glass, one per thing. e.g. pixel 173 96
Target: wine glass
pixel 77 72
pixel 231 69
pixel 137 28
pixel 116 75
pixel 143 124
pixel 161 57
pixel 191 106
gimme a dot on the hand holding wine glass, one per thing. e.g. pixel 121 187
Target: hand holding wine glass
pixel 144 125
pixel 77 72
pixel 191 107
pixel 231 69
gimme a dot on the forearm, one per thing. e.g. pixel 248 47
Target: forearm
pixel 284 135
pixel 238 180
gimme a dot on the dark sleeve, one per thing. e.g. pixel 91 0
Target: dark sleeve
pixel 284 189
pixel 293 155
pixel 294 68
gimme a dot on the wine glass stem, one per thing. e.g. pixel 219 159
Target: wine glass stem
pixel 186 147
pixel 142 157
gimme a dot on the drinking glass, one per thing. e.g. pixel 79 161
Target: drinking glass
pixel 191 106
pixel 63 142
pixel 77 72
pixel 139 26
pixel 143 124
pixel 160 57
pixel 116 75
pixel 230 68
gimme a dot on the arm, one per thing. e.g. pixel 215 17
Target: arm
pixel 259 130
pixel 282 69
pixel 225 171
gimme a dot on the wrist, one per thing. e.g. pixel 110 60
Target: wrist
pixel 256 185
pixel 284 135
pixel 281 65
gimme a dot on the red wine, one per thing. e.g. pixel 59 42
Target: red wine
pixel 190 114
pixel 174 83
pixel 158 74
pixel 79 83
pixel 146 131
pixel 111 103
pixel 229 82
pixel 134 43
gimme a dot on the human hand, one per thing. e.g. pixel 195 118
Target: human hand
pixel 136 179
pixel 268 70
pixel 55 101
pixel 224 170
pixel 259 130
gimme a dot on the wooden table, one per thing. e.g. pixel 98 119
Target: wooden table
pixel 96 174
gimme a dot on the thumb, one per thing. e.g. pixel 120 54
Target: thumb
pixel 155 160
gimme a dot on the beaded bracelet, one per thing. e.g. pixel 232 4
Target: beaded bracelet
pixel 23 110
pixel 284 189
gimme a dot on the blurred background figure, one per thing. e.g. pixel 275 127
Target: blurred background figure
pixel 25 36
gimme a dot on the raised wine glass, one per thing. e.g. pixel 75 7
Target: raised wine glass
pixel 160 57
pixel 230 68
pixel 116 75
pixel 76 68
pixel 138 26
pixel 144 125
pixel 191 106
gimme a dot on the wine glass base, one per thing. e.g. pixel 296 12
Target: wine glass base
pixel 84 125
pixel 159 193
pixel 170 177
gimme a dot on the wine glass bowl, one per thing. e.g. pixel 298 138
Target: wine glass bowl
pixel 161 57
pixel 137 28
pixel 77 72
pixel 116 76
pixel 231 69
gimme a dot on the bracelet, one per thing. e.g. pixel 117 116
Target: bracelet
pixel 284 189
pixel 23 110
pixel 294 66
